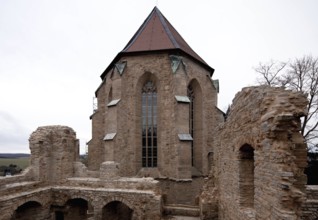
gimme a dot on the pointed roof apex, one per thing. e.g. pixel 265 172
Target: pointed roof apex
pixel 153 34
pixel 157 34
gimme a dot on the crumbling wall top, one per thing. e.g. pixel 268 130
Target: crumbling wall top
pixel 45 131
pixel 260 146
pixel 54 149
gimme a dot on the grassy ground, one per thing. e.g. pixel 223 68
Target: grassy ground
pixel 21 162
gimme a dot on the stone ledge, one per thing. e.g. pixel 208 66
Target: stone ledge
pixel 25 193
pixel 121 183
pixel 74 188
pixel 181 210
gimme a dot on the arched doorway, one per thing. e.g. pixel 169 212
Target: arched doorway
pixel 117 211
pixel 76 209
pixel 29 211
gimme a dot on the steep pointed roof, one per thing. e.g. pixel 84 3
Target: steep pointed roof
pixel 157 34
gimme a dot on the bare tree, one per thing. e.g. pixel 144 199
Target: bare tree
pixel 271 73
pixel 301 74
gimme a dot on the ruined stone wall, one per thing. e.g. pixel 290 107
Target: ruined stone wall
pixel 26 175
pixel 310 206
pixel 75 202
pixel 259 146
pixel 54 149
pixel 50 190
pixel 144 204
pixel 181 192
pixel 30 210
pixel 27 202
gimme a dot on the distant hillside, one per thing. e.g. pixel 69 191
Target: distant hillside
pixel 17 155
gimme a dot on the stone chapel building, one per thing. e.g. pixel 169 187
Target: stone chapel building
pixel 161 149
pixel 157 111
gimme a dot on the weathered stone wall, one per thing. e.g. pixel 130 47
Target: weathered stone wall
pixel 54 149
pixel 95 151
pixel 30 210
pixel 50 190
pixel 26 175
pixel 26 199
pixel 256 170
pixel 123 121
pixel 310 206
pixel 181 192
pixel 145 204
pixel 47 202
pixel 262 130
pixel 125 147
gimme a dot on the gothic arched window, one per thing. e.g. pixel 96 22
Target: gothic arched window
pixel 149 125
pixel 191 119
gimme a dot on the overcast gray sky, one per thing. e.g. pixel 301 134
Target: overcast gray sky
pixel 52 53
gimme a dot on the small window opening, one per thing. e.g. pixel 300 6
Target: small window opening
pixel 110 95
pixel 246 172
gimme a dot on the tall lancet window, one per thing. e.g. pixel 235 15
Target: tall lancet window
pixel 149 125
pixel 191 119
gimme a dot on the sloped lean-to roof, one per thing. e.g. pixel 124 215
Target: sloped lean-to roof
pixel 157 34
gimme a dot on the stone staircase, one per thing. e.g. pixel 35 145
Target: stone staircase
pixel 177 211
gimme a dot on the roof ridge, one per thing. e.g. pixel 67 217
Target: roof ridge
pixel 165 26
pixel 139 31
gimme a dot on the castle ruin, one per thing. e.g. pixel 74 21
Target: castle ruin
pixel 161 149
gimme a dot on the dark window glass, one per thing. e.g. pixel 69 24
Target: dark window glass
pixel 149 125
pixel 191 119
pixel 155 142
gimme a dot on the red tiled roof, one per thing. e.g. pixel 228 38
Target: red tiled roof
pixel 157 34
